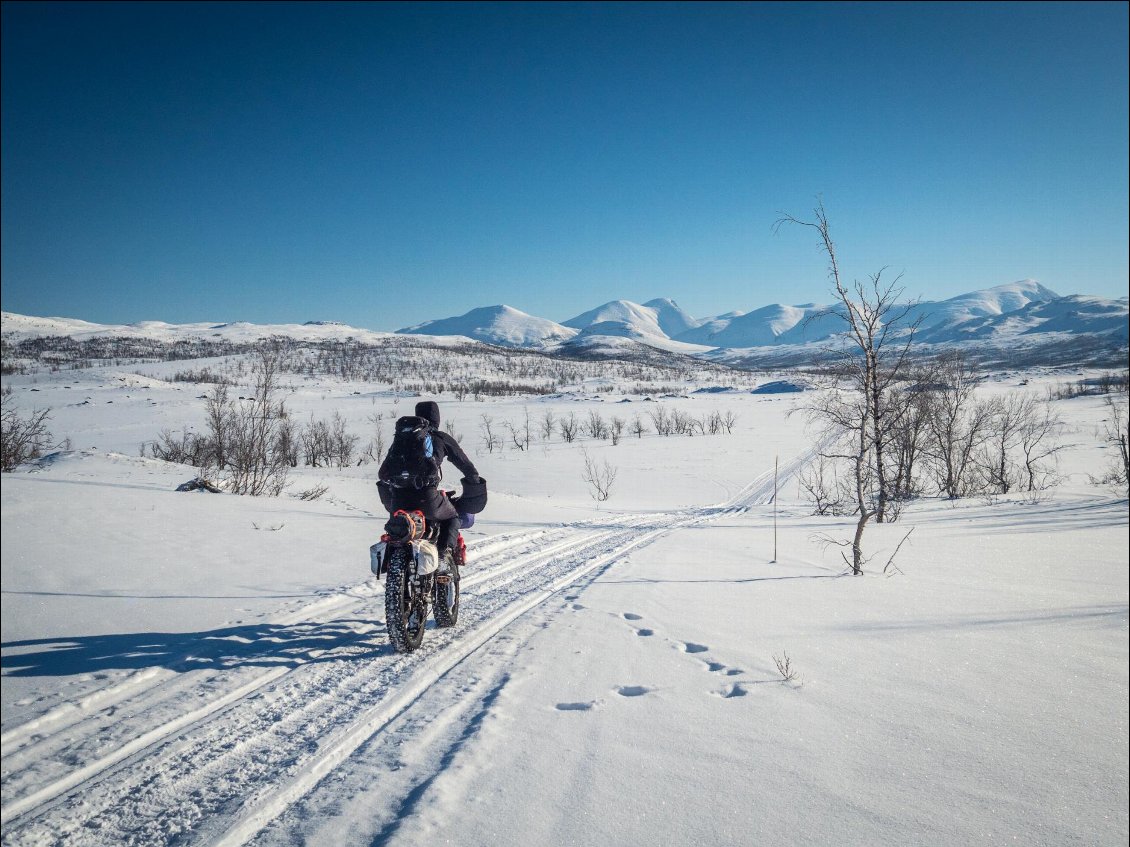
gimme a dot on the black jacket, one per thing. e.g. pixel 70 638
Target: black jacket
pixel 430 501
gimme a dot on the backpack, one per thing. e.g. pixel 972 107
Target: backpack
pixel 411 460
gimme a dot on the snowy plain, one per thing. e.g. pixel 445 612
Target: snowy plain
pixel 191 668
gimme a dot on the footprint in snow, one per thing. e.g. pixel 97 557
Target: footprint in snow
pixel 734 690
pixel 632 690
pixel 691 647
pixel 645 632
pixel 632 616
pixel 577 707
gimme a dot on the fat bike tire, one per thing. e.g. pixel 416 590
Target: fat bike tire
pixel 446 605
pixel 406 609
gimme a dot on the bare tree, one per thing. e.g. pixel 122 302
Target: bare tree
pixel 491 439
pixel 1117 432
pixel 616 429
pixel 1012 418
pixel 518 437
pixel 599 477
pixel 662 420
pixel 181 447
pixel 288 441
pixel 375 450
pixel 1037 442
pixel 909 440
pixel 254 466
pixel 315 438
pixel 875 358
pixel 820 481
pixel 220 418
pixel 596 426
pixel 638 427
pixel 957 425
pixel 548 425
pixel 342 442
pixel 568 427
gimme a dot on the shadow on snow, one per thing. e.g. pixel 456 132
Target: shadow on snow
pixel 252 645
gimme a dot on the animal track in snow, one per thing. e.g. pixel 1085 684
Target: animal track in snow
pixel 645 632
pixel 691 647
pixel 632 616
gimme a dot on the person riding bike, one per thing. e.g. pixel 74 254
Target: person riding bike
pixel 422 492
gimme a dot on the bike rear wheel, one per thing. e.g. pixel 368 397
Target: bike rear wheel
pixel 446 606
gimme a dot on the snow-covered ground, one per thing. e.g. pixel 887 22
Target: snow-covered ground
pixel 209 669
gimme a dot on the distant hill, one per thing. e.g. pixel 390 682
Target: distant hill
pixel 502 325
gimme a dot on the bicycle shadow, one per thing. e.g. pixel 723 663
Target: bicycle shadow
pixel 263 645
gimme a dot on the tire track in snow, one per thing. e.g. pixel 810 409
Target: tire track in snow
pixel 175 687
pixel 262 730
pixel 209 760
pixel 324 609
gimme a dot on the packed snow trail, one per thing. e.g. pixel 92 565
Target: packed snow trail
pixel 132 764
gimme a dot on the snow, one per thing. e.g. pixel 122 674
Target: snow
pixel 210 669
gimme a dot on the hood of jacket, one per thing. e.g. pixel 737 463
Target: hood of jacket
pixel 429 410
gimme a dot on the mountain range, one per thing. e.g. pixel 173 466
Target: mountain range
pixel 995 315
pixel 1023 320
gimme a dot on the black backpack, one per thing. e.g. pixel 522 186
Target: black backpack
pixel 411 460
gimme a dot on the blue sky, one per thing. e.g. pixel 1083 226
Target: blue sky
pixel 384 164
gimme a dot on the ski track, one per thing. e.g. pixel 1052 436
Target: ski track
pixel 216 754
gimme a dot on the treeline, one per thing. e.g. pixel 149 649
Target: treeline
pixel 250 443
pixel 404 363
pixel 936 437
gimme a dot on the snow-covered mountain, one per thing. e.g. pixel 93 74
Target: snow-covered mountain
pixel 502 325
pixel 993 314
pixel 1017 314
pixel 659 318
pixel 1076 314
pixel 758 328
pixel 17 327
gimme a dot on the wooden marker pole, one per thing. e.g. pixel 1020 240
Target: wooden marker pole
pixel 774 509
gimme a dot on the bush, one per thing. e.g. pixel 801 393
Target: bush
pixel 22 437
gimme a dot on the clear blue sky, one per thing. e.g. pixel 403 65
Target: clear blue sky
pixel 385 164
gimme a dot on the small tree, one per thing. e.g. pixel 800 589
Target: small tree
pixel 22 437
pixel 1117 433
pixel 596 426
pixel 599 477
pixel 254 465
pixel 875 357
pixel 957 424
pixel 662 420
pixel 616 429
pixel 492 440
pixel 638 427
pixel 568 427
pixel 519 437
pixel 548 425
